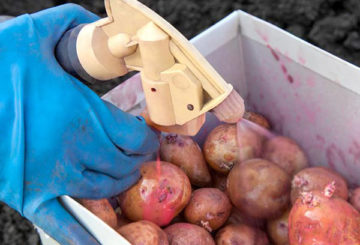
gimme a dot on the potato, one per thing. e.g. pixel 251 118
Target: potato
pixel 184 152
pixel 160 194
pixel 286 154
pixel 209 208
pixel 355 198
pixel 102 209
pixel 277 229
pixel 316 178
pixel 219 181
pixel 143 233
pixel 241 234
pixel 321 218
pixel 237 217
pixel 188 234
pixel 258 119
pixel 259 188
pixel 227 145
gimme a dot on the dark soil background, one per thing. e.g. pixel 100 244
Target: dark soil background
pixel 330 24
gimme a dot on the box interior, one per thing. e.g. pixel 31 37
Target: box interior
pixel 302 103
pixel 307 93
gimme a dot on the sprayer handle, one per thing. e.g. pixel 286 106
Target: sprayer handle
pixel 67 55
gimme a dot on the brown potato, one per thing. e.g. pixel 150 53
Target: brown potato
pixel 286 154
pixel 355 198
pixel 278 229
pixel 237 217
pixel 209 208
pixel 102 209
pixel 259 188
pixel 188 234
pixel 184 152
pixel 258 119
pixel 241 234
pixel 161 193
pixel 227 145
pixel 316 178
pixel 143 233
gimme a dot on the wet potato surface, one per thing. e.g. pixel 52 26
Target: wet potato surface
pixel 161 193
pixel 259 188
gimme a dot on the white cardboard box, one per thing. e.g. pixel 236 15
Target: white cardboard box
pixel 307 93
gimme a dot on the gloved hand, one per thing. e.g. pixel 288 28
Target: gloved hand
pixel 57 136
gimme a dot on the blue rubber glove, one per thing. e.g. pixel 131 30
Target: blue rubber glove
pixel 57 136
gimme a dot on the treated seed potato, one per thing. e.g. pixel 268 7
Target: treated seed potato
pixel 355 198
pixel 227 145
pixel 259 188
pixel 102 209
pixel 143 233
pixel 188 234
pixel 209 208
pixel 241 234
pixel 286 154
pixel 258 119
pixel 161 193
pixel 184 152
pixel 320 217
pixel 316 178
pixel 277 229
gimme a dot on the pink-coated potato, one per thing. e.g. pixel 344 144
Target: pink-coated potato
pixel 161 193
pixel 318 217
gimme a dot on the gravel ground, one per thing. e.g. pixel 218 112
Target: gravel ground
pixel 330 24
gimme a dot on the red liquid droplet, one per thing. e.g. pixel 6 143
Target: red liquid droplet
pixel 276 56
pixel 158 200
pixel 290 79
pixel 158 165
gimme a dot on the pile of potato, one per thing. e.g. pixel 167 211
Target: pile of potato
pixel 242 188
